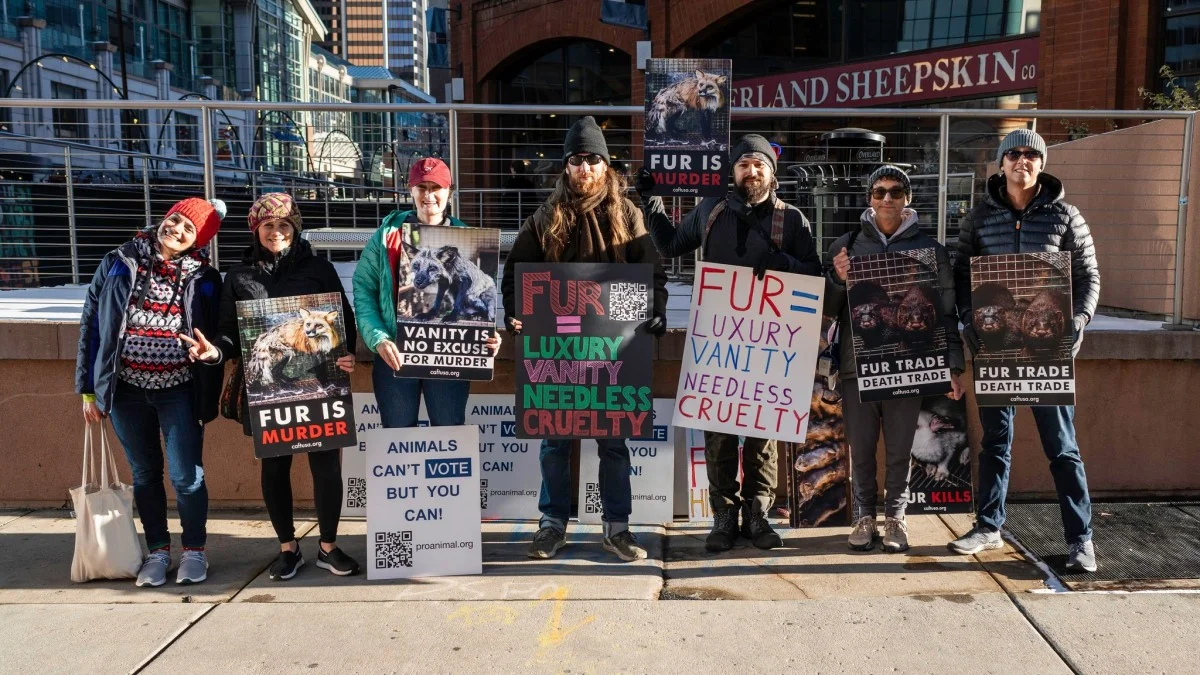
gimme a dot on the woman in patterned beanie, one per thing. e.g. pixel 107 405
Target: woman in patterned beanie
pixel 279 264
pixel 132 365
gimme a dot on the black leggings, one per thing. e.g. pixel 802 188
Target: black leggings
pixel 326 467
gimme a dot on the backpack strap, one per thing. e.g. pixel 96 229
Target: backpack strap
pixel 712 220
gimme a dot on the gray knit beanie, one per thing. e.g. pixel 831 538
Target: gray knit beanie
pixel 1022 138
pixel 756 146
pixel 889 171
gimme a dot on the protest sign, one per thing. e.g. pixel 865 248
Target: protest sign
pixel 446 303
pixel 1021 312
pixel 897 324
pixel 939 479
pixel 651 472
pixel 687 125
pixel 423 506
pixel 749 343
pixel 299 399
pixel 699 508
pixel 583 359
pixel 354 458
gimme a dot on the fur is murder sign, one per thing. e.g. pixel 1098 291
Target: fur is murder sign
pixel 687 125
pixel 584 360
pixel 446 303
pixel 299 399
pixel 751 353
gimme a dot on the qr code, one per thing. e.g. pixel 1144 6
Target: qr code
pixel 591 499
pixel 393 549
pixel 628 302
pixel 356 493
pixel 483 493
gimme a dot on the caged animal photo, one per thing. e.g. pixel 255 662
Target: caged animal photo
pixel 450 277
pixel 293 357
pixel 685 112
pixel 1022 307
pixel 895 304
pixel 940 446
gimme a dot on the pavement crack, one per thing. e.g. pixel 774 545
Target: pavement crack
pixel 172 639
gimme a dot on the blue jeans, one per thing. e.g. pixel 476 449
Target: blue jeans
pixel 615 495
pixel 1056 426
pixel 137 416
pixel 399 398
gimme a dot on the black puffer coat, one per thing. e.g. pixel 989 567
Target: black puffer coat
pixel 1048 224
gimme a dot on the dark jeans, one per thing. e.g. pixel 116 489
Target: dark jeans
pixel 760 471
pixel 616 497
pixel 326 469
pixel 1056 426
pixel 137 416
pixel 399 398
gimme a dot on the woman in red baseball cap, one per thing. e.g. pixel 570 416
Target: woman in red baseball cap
pixel 133 366
pixel 382 263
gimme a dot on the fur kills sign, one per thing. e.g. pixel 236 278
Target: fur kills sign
pixel 299 398
pixel 751 353
pixel 1021 313
pixel 584 360
pixel 687 125
pixel 898 325
pixel 939 478
pixel 446 303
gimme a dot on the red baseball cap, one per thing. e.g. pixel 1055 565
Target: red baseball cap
pixel 429 170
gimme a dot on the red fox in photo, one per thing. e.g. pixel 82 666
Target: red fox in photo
pixel 698 94
pixel 310 334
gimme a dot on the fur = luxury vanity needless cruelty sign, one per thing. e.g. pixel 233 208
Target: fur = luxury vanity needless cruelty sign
pixel 687 125
pixel 446 303
pixel 299 399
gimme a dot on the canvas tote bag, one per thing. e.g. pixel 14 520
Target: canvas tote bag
pixel 106 543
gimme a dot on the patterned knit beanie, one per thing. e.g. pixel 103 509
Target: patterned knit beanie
pixel 275 206
pixel 889 171
pixel 205 215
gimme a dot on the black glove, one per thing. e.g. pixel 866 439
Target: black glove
pixel 778 261
pixel 643 181
pixel 508 325
pixel 971 338
pixel 656 325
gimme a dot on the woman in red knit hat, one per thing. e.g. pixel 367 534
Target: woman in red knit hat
pixel 133 365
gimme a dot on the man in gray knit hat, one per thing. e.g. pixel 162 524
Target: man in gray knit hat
pixel 750 227
pixel 1023 212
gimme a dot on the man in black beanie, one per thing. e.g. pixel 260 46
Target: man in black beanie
pixel 750 227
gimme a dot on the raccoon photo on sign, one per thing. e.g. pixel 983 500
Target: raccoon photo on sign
pixel 687 103
pixel 294 343
pixel 450 277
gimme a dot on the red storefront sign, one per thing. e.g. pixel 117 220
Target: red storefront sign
pixel 974 71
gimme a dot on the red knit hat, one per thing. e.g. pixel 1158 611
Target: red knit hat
pixel 206 216
pixel 430 169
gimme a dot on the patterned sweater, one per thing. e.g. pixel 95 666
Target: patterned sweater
pixel 152 356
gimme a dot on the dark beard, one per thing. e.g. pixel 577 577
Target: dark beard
pixel 753 193
pixel 586 186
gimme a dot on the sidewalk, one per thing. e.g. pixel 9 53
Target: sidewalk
pixel 813 606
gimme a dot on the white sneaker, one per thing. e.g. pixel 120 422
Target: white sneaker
pixel 193 568
pixel 864 534
pixel 154 569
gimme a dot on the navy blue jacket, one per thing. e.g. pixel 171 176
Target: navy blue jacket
pixel 102 329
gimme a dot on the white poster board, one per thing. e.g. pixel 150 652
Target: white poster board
pixel 423 505
pixel 751 349
pixel 651 473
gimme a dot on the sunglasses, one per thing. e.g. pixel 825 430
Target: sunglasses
pixel 896 193
pixel 1015 154
pixel 591 159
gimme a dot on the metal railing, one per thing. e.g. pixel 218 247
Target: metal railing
pixel 73 184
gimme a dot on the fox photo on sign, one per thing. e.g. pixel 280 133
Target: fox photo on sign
pixel 1021 313
pixel 750 353
pixel 423 502
pixel 687 125
pixel 584 359
pixel 897 324
pixel 299 399
pixel 446 303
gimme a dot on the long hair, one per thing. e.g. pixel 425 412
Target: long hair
pixel 564 215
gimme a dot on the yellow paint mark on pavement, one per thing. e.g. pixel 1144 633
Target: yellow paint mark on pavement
pixel 554 633
pixel 481 616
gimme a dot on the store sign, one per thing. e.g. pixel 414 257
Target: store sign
pixel 974 71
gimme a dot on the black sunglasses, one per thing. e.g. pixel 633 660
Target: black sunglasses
pixel 592 159
pixel 896 193
pixel 1015 154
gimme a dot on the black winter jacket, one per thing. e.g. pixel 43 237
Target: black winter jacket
pixel 300 272
pixel 102 329
pixel 1048 224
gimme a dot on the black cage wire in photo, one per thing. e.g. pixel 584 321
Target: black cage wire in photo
pixel 676 115
pixel 290 346
pixel 1030 294
pixel 896 274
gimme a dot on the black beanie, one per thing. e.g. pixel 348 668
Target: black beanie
pixel 753 144
pixel 586 136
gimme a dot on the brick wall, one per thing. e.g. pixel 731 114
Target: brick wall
pixel 1097 53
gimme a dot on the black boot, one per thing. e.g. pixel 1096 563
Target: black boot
pixel 724 531
pixel 756 528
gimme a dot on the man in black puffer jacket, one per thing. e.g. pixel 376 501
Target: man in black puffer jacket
pixel 1024 212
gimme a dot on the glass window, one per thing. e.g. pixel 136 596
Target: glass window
pixel 187 134
pixel 69 122
pixel 1181 41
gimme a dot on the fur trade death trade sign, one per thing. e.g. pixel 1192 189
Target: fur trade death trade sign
pixel 1021 311
pixel 687 125
pixel 299 399
pixel 897 324
pixel 446 303
pixel 751 353
pixel 584 361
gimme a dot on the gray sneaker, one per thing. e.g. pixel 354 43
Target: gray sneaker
pixel 975 541
pixel 864 534
pixel 154 569
pixel 625 546
pixel 1081 557
pixel 193 568
pixel 895 535
pixel 546 543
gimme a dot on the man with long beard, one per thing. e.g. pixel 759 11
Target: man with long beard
pixel 750 227
pixel 587 219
